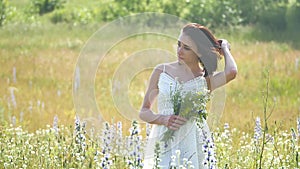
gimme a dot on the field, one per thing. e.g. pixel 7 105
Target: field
pixel 38 64
pixel 44 59
pixel 37 114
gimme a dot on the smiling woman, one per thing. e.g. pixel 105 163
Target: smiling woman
pixel 176 85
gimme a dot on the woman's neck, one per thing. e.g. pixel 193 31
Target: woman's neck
pixel 192 67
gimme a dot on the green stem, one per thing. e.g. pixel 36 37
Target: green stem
pixel 265 128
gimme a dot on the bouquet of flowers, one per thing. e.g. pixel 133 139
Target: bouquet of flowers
pixel 190 105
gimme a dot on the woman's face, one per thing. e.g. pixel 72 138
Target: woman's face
pixel 186 49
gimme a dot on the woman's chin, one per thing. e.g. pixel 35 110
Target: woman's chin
pixel 180 61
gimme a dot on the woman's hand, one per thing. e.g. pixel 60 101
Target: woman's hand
pixel 230 71
pixel 224 44
pixel 173 122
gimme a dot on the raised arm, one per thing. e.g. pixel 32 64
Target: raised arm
pixel 230 70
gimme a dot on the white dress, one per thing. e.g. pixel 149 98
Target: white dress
pixel 189 139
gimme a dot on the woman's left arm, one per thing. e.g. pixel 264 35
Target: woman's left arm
pixel 230 71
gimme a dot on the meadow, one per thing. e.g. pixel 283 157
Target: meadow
pixel 37 115
pixel 38 65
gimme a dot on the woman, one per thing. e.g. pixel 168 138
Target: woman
pixel 198 52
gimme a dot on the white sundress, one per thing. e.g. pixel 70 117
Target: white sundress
pixel 189 139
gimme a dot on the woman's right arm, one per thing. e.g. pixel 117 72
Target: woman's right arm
pixel 146 114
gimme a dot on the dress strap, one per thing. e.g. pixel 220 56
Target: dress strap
pixel 164 68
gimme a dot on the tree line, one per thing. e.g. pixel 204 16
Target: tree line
pixel 272 14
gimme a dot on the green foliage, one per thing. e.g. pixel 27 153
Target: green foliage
pixel 267 13
pixel 60 16
pixel 213 13
pixel 278 15
pixel 272 14
pixel 46 6
pixel 210 12
pixel 3 5
pixel 112 9
pixel 76 16
pixel 293 16
pixel 248 10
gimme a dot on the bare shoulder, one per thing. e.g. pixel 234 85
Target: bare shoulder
pixel 163 66
pixel 173 64
pixel 170 66
pixel 159 68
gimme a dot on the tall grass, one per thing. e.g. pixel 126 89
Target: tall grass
pixel 44 62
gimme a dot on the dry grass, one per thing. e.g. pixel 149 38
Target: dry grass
pixel 45 58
